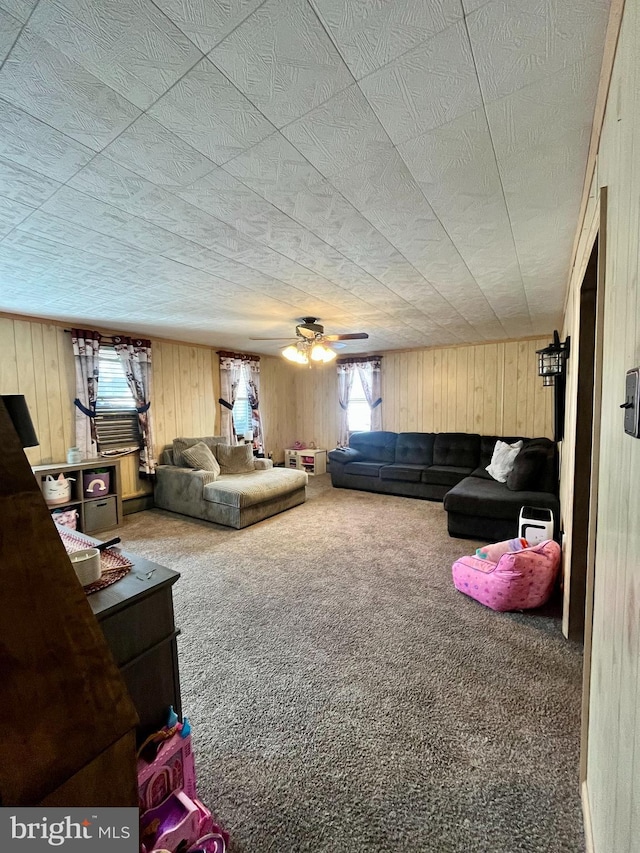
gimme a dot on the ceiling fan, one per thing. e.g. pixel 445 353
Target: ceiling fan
pixel 311 343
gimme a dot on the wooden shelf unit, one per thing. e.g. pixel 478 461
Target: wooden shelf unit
pixel 312 461
pixel 95 514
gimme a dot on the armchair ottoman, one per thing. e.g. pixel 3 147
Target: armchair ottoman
pixel 519 580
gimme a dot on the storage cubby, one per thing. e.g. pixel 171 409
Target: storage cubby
pixel 313 461
pixel 102 509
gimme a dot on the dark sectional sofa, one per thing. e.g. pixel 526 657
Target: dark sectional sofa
pixel 450 466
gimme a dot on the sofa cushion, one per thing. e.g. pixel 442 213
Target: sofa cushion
pixel 502 460
pixel 445 475
pixel 534 467
pixel 379 446
pixel 244 490
pixel 488 444
pixel 179 444
pixel 344 455
pixel 460 449
pixel 235 458
pixel 415 448
pixel 482 473
pixel 200 456
pixel 366 469
pixel 490 499
pixel 406 473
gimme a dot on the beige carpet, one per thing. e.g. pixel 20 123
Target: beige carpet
pixel 344 696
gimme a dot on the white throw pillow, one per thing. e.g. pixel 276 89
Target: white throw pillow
pixel 504 455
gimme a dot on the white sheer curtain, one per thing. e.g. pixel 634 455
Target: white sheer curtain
pixel 231 367
pixel 345 383
pixel 370 377
pixel 86 352
pixel 135 357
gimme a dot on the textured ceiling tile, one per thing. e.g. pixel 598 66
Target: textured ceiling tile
pixel 207 22
pixel 275 170
pixel 478 221
pixel 11 213
pixel 516 42
pixel 371 34
pixel 427 87
pixel 79 208
pixel 537 114
pixel 60 231
pixel 282 59
pixel 457 158
pixel 378 181
pixel 31 143
pixel 45 83
pixel 549 176
pixel 209 113
pixel 20 9
pixel 471 5
pixel 327 222
pixel 339 133
pixel 128 44
pixel 157 154
pixel 9 29
pixel 23 185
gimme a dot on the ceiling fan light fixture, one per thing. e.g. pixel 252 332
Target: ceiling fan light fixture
pixel 319 352
pixel 292 353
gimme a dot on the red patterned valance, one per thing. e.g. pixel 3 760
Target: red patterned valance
pixel 239 355
pixel 376 359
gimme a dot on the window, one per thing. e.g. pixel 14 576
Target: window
pixel 358 413
pixel 242 418
pixel 116 416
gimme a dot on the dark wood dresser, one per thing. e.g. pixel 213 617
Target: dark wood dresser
pixel 136 617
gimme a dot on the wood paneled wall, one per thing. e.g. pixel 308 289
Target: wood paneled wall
pixel 612 791
pixel 491 389
pixel 36 360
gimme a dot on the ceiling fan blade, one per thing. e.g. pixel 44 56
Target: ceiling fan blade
pixel 354 336
pixel 272 339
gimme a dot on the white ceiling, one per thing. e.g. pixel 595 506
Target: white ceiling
pixel 211 170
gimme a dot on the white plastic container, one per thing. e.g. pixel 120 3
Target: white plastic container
pixel 535 524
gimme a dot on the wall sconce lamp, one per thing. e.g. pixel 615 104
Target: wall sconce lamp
pixel 552 366
pixel 552 360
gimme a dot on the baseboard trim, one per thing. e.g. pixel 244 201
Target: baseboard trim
pixel 586 815
pixel 137 504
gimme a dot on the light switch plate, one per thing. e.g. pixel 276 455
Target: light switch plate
pixel 631 406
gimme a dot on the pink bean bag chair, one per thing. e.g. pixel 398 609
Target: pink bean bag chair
pixel 518 581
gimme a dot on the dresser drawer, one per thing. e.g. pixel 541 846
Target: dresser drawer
pixel 100 514
pixel 135 629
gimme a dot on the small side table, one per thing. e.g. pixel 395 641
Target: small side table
pixel 313 461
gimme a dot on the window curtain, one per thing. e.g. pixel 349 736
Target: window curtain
pixel 252 369
pixel 135 357
pixel 231 366
pixel 345 383
pixel 370 376
pixel 86 352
